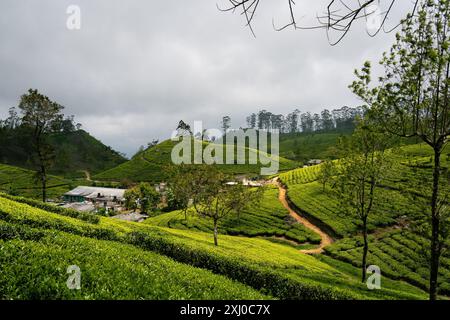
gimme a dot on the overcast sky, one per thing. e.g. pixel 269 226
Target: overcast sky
pixel 136 67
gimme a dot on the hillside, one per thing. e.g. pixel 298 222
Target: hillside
pixel 37 260
pixel 76 152
pixel 117 258
pixel 19 181
pixel 306 146
pixel 395 245
pixel 150 165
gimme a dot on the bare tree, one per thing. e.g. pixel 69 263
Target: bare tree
pixel 338 16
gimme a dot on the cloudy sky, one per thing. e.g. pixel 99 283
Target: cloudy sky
pixel 136 67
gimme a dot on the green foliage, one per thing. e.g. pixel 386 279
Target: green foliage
pixel 76 152
pixel 212 197
pixel 327 172
pixel 142 196
pixel 400 253
pixel 275 269
pixel 301 175
pixel 408 174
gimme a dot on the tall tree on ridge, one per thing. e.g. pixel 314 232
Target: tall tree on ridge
pixel 412 99
pixel 40 114
pixel 360 173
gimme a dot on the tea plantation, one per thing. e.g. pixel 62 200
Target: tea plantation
pixel 121 259
pixel 395 246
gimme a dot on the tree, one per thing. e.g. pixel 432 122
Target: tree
pixel 327 172
pixel 143 197
pixel 412 98
pixel 183 129
pixel 67 125
pixel 226 124
pixel 131 199
pixel 13 119
pixel 251 121
pixel 40 114
pixel 213 198
pixel 277 121
pixel 317 122
pixel 153 143
pixel 243 199
pixel 360 174
pixel 292 121
pixel 327 120
pixel 148 197
pixel 307 122
pixel 339 16
pixel 180 187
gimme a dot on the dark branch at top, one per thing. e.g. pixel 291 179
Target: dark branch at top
pixel 339 15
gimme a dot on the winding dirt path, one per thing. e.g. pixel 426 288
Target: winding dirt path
pixel 325 238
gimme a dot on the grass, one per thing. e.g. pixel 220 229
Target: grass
pixel 273 269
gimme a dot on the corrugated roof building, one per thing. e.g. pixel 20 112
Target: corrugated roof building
pixel 82 193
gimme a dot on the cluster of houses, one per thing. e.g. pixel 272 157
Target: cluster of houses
pixel 94 198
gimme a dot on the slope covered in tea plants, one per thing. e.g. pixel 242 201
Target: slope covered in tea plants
pixel 395 244
pixel 277 270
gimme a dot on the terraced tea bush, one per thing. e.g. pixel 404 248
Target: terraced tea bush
pixel 19 181
pixel 109 270
pixel 270 267
pixel 399 253
pixel 269 219
pixel 301 175
pixel 85 216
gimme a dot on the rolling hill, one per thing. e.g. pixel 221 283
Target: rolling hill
pixel 150 165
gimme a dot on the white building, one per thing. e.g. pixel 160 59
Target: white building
pixel 88 197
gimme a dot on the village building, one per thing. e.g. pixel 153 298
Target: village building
pixel 85 198
pixel 314 162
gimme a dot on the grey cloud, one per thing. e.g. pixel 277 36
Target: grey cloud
pixel 137 67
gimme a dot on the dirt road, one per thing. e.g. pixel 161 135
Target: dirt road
pixel 325 238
